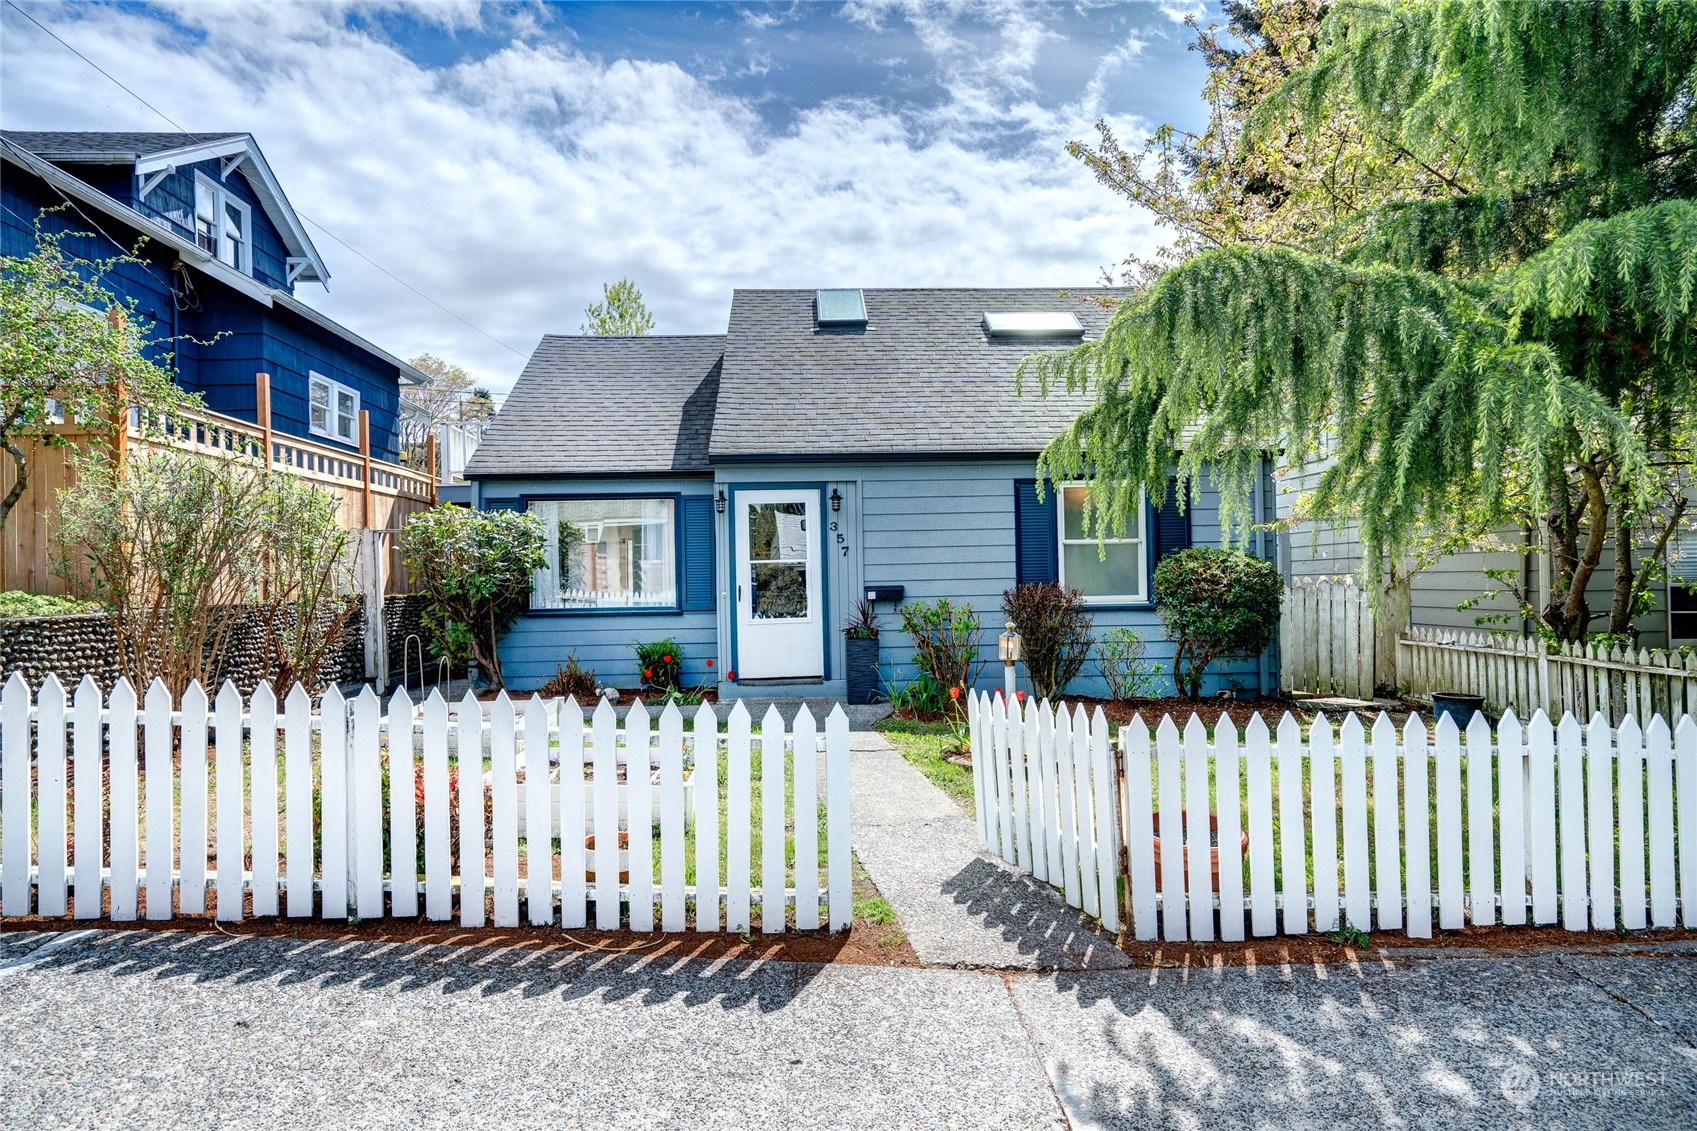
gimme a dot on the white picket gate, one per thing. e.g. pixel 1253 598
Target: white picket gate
pixel 1587 825
pixel 386 825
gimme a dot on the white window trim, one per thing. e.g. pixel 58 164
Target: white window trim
pixel 1138 535
pixel 222 201
pixel 335 387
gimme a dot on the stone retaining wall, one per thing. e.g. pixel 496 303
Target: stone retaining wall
pixel 79 644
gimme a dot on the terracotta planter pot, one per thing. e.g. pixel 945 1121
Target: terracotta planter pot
pixel 1213 851
pixel 624 858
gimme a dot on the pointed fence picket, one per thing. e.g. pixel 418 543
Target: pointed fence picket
pixel 1221 831
pixel 390 809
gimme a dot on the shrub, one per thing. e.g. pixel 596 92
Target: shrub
pixel 176 544
pixel 1120 659
pixel 1054 633
pixel 945 641
pixel 474 568
pixel 661 664
pixel 17 603
pixel 1215 603
pixel 571 681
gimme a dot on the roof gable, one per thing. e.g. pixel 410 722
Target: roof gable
pixel 155 153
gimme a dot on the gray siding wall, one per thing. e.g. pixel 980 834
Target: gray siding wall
pixel 937 528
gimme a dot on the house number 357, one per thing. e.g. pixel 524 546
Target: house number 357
pixel 842 539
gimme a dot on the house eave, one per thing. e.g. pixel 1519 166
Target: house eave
pixel 190 253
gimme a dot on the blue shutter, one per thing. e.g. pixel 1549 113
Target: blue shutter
pixel 697 573
pixel 1036 548
pixel 1171 528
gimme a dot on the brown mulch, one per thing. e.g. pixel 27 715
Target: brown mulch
pixel 1320 950
pixel 1271 710
pixel 863 944
pixel 626 697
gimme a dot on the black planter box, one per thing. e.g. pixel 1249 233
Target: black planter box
pixel 862 668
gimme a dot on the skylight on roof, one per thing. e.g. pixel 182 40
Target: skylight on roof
pixel 841 308
pixel 1032 324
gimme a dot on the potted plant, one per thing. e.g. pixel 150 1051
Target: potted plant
pixel 1184 850
pixel 861 646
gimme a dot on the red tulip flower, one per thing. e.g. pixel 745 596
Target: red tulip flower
pixel 665 659
pixel 954 693
pixel 1020 695
pixel 709 663
pixel 647 673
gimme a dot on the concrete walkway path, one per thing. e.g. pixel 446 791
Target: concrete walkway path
pixel 959 905
pixel 142 1028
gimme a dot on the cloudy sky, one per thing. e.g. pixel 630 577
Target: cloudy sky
pixel 506 160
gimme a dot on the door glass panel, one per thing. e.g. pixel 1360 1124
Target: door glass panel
pixel 777 561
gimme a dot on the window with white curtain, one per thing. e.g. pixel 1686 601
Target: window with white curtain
pixel 607 554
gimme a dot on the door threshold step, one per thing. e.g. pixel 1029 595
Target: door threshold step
pixel 809 681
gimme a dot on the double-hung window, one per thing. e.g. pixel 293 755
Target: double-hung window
pixel 334 409
pixel 1110 571
pixel 607 554
pixel 223 225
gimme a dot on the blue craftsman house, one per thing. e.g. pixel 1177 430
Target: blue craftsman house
pixel 740 492
pixel 224 253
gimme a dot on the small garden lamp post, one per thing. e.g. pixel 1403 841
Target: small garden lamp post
pixel 1007 650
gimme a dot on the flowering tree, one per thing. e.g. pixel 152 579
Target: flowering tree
pixel 69 348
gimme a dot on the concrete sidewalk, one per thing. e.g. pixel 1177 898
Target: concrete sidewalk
pixel 140 1028
pixel 959 905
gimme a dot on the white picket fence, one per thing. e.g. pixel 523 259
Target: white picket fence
pixel 1326 638
pixel 1366 827
pixel 140 802
pixel 1519 674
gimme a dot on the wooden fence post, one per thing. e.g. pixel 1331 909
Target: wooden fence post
pixel 262 414
pixel 365 466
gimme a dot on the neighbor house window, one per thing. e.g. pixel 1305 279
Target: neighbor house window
pixel 223 225
pixel 607 554
pixel 1122 576
pixel 335 409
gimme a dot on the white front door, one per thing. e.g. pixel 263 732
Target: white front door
pixel 779 598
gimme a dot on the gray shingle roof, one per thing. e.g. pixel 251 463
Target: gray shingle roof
pixel 921 378
pixel 104 146
pixel 607 406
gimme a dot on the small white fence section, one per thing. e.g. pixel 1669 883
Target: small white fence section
pixel 369 810
pixel 1519 674
pixel 1327 638
pixel 1370 828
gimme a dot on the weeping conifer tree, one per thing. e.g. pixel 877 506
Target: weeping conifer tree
pixel 1503 340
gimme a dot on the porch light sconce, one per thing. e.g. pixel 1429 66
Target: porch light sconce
pixel 836 500
pixel 1007 650
pixel 719 501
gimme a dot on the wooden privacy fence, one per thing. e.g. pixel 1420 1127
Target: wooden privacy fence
pixel 348 809
pixel 374 494
pixel 1371 828
pixel 1520 674
pixel 1326 638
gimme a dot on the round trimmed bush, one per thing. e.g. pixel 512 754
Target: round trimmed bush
pixel 1215 603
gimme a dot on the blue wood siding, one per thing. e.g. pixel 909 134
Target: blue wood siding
pixel 244 336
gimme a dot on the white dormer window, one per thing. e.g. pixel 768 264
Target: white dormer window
pixel 335 409
pixel 223 225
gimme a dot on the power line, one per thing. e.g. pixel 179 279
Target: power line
pixel 180 129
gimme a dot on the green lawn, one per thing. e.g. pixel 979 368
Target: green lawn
pixel 922 744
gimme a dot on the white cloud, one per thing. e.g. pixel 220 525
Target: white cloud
pixel 511 185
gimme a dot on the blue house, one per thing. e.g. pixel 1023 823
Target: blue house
pixel 741 492
pixel 224 252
